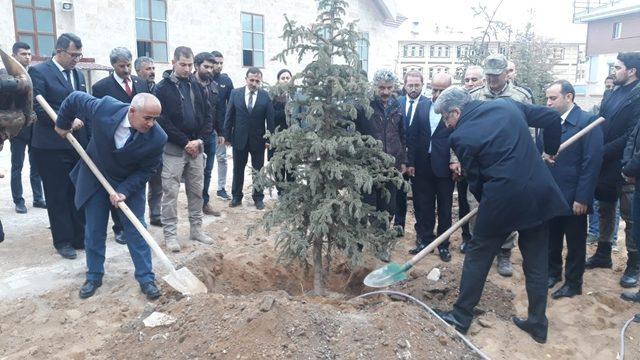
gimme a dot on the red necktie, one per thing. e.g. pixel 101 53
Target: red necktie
pixel 127 88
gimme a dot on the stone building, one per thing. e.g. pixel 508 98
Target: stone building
pixel 247 32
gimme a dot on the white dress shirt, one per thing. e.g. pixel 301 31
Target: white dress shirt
pixel 434 121
pixel 246 97
pixel 122 132
pixel 564 116
pixel 409 104
pixel 120 82
pixel 64 75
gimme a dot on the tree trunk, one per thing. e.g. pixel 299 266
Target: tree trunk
pixel 318 271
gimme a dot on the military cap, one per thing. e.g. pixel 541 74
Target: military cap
pixel 495 64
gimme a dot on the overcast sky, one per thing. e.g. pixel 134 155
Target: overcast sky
pixel 552 18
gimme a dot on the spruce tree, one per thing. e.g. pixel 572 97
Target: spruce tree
pixel 321 211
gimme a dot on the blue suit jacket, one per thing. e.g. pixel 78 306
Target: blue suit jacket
pixel 49 82
pixel 127 169
pixel 419 139
pixel 576 169
pixel 244 129
pixel 503 166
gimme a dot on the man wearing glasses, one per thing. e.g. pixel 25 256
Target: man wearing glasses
pixel 55 79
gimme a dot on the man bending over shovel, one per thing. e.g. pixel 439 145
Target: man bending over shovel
pixel 515 190
pixel 126 146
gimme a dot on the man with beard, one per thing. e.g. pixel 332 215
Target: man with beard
pixel 186 118
pixel 146 70
pixel 204 64
pixel 413 83
pixel 621 109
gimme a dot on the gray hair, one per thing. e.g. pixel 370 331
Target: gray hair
pixel 452 97
pixel 141 61
pixel 475 67
pixel 119 53
pixel 384 76
pixel 140 100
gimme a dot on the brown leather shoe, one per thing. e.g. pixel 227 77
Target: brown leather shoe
pixel 208 210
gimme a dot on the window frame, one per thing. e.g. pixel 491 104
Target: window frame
pixel 253 49
pixel 151 39
pixel 617 30
pixel 35 46
pixel 362 44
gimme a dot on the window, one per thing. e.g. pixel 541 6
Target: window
pixel 405 70
pixel 463 51
pixel 557 53
pixel 439 51
pixel 363 51
pixel 436 70
pixel 505 50
pixel 617 30
pixel 252 40
pixel 151 29
pixel 459 75
pixel 35 25
pixel 413 50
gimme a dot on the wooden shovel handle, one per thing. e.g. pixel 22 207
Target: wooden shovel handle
pixel 580 134
pixel 125 209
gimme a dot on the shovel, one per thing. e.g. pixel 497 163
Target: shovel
pixel 394 272
pixel 182 279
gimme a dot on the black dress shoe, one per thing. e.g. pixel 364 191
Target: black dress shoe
pixel 566 291
pixel 120 238
pixel 235 202
pixel 451 320
pixel 151 290
pixel 155 222
pixel 21 208
pixel 444 254
pixel 417 249
pixel 67 252
pixel 631 296
pixel 40 204
pixel 552 281
pixel 525 326
pixel 89 288
pixel 259 204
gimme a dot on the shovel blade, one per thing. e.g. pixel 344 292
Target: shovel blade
pixel 387 275
pixel 185 282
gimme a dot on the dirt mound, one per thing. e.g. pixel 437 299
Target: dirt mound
pixel 256 309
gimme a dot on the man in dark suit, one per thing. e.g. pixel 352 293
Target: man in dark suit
pixel 126 146
pixel 516 192
pixel 22 52
pixel 576 172
pixel 55 79
pixel 122 86
pixel 621 108
pixel 428 164
pixel 249 110
pixel 413 83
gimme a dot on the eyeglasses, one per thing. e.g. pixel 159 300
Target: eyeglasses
pixel 74 55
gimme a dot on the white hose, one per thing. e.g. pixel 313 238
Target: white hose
pixel 464 338
pixel 624 328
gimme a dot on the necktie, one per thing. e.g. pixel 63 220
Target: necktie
pixel 127 88
pixel 67 74
pixel 410 112
pixel 250 104
pixel 131 137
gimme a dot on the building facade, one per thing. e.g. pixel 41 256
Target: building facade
pixel 613 26
pixel 246 32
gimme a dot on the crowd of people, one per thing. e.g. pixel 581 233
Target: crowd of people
pixel 485 138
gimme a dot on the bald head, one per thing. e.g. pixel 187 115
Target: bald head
pixel 145 109
pixel 439 82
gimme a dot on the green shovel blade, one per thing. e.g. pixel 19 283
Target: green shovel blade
pixel 387 275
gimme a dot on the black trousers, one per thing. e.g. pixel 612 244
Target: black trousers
pixel 574 228
pixel 463 206
pixel 67 223
pixel 240 158
pixel 400 217
pixel 479 256
pixel 431 193
pixel 375 198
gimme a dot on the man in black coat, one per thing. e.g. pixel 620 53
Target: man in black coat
pixel 621 109
pixel 55 79
pixel 428 164
pixel 122 86
pixel 515 191
pixel 249 114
